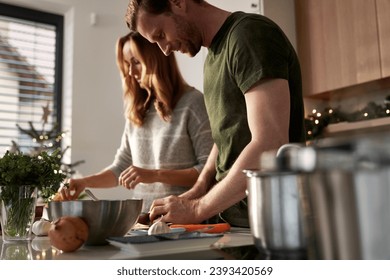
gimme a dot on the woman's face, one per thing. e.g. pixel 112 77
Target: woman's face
pixel 133 63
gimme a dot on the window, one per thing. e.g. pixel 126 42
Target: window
pixel 31 45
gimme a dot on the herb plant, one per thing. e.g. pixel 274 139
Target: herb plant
pixel 41 172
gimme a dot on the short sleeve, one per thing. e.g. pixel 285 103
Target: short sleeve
pixel 257 53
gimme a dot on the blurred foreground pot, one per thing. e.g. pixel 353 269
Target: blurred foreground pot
pixel 331 199
pixel 348 198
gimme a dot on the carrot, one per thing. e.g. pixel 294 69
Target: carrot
pixel 206 228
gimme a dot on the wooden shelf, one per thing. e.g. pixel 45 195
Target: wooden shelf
pixel 380 124
pixel 353 91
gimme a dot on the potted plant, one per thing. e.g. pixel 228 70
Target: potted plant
pixel 22 176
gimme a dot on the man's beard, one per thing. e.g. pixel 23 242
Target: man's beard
pixel 187 34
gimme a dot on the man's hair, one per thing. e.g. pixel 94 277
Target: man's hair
pixel 150 6
pixel 154 7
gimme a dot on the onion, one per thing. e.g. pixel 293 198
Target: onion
pixel 68 233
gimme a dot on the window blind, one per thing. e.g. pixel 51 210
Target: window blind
pixel 30 76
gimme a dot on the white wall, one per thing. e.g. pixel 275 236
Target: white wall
pixel 283 13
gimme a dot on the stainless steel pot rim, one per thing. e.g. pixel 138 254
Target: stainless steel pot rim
pixel 102 201
pixel 269 173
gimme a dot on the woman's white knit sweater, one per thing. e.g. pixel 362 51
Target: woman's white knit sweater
pixel 183 142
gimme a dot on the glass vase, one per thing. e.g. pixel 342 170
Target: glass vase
pixel 17 212
pixel 16 251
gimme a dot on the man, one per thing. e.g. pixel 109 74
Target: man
pixel 252 90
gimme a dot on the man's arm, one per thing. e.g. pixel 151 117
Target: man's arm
pixel 206 178
pixel 268 109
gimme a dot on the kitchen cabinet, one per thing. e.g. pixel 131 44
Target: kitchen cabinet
pixel 383 9
pixel 342 43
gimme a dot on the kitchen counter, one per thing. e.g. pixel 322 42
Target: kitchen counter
pixel 236 244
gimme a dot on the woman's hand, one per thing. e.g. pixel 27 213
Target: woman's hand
pixel 73 188
pixel 133 175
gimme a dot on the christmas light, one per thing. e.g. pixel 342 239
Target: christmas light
pixel 316 121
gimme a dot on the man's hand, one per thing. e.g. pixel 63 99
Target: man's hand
pixel 176 210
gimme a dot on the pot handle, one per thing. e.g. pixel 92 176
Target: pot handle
pixel 288 147
pixel 286 154
pixel 279 159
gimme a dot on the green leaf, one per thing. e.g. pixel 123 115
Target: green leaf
pixel 20 169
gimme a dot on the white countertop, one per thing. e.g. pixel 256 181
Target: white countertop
pixel 203 248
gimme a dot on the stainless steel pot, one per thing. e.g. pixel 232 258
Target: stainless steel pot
pixel 331 198
pixel 348 198
pixel 275 214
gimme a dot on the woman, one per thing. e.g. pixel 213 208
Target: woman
pixel 167 136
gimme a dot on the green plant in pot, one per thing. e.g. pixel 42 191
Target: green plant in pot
pixel 22 176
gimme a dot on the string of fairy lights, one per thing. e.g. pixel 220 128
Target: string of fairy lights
pixel 317 120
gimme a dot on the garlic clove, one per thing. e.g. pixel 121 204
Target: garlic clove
pixel 41 227
pixel 159 228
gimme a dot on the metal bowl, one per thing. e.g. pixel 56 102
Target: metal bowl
pixel 105 218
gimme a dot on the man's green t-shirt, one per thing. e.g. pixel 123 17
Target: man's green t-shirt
pixel 246 49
